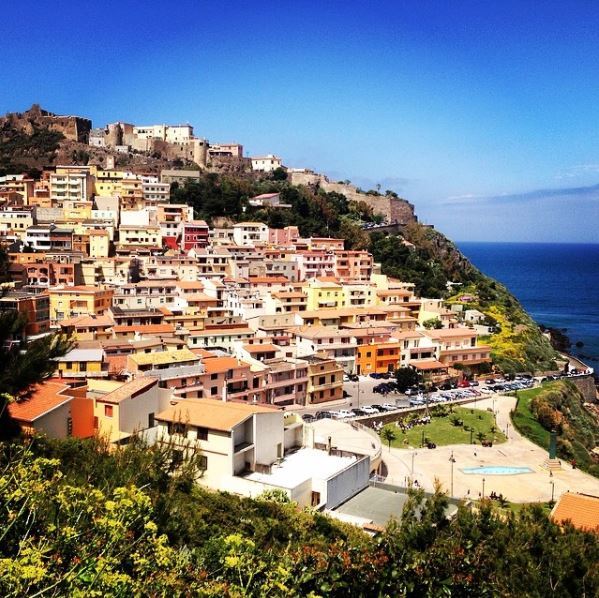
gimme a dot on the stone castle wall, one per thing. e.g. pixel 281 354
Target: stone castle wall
pixel 394 209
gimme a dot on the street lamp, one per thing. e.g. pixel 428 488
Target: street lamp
pixel 412 473
pixel 483 487
pixel 552 486
pixel 452 461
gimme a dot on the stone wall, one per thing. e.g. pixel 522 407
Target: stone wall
pixel 74 128
pixel 394 209
pixel 586 385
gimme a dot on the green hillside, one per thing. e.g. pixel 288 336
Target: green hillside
pixel 559 406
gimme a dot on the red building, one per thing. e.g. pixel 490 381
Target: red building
pixel 194 235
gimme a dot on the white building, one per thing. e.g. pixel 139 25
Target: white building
pixel 250 233
pixel 266 163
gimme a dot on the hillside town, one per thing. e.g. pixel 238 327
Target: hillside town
pixel 271 355
pixel 177 325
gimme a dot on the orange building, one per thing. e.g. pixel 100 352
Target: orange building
pixel 378 358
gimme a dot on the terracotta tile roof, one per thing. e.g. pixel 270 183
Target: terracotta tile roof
pixel 582 510
pixel 211 414
pixel 215 365
pixel 145 328
pixel 260 348
pixel 45 398
pixel 427 364
pixel 164 357
pixel 87 321
pixel 116 363
pixel 190 285
pixel 129 390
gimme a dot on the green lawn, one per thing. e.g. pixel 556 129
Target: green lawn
pixel 442 431
pixel 525 421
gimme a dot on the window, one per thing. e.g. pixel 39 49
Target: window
pixel 321 380
pixel 176 428
pixel 213 376
pixel 108 410
pixel 214 390
pixel 202 433
pixel 203 462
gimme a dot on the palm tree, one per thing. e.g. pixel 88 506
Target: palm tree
pixel 389 435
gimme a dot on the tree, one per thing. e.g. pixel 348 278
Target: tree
pixel 433 323
pixel 388 435
pixel 405 377
pixel 23 364
pixel 279 174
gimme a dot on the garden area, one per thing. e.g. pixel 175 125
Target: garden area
pixel 460 426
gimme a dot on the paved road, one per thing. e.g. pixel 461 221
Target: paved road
pixel 360 394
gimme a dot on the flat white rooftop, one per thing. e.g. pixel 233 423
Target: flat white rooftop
pixel 303 465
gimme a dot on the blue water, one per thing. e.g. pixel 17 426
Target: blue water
pixel 558 284
pixel 497 470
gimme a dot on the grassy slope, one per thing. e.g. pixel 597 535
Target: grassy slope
pixel 559 406
pixel 442 431
pixel 525 421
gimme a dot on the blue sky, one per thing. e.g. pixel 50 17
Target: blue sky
pixel 484 114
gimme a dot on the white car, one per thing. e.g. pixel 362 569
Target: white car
pixel 389 406
pixel 369 410
pixel 343 413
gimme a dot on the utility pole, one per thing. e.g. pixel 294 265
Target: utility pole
pixel 483 487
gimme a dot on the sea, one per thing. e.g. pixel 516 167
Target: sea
pixel 558 284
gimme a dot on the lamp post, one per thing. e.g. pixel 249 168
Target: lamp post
pixel 552 486
pixel 412 471
pixel 452 461
pixel 483 487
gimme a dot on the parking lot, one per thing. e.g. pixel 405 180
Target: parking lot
pixel 361 395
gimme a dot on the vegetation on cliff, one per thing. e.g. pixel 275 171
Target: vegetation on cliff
pixel 26 152
pixel 78 519
pixel 559 406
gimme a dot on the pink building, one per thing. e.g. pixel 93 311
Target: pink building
pixel 283 236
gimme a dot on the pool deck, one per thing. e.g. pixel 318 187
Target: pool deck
pixel 518 451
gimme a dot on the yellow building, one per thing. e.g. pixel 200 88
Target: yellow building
pixel 148 237
pixel 99 243
pixel 108 182
pixel 77 211
pixel 122 410
pixel 69 302
pixel 83 363
pixel 324 294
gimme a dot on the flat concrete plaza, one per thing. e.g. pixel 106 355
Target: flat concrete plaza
pixel 537 486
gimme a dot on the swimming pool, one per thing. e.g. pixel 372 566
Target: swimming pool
pixel 497 470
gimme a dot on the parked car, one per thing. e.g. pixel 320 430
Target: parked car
pixel 360 411
pixel 389 407
pixel 354 377
pixel 379 408
pixel 345 378
pixel 375 376
pixel 308 418
pixel 343 413
pixel 324 415
pixel 368 410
